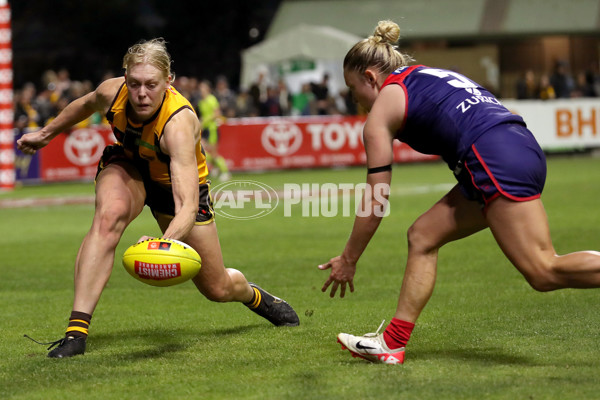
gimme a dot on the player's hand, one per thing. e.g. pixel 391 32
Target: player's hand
pixel 30 143
pixel 144 238
pixel 342 274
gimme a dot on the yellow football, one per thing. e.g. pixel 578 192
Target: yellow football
pixel 161 262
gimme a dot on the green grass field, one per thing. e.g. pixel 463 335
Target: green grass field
pixel 484 335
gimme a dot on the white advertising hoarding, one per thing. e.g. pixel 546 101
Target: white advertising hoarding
pixel 561 124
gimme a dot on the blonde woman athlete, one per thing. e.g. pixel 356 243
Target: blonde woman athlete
pixel 157 161
pixel 497 162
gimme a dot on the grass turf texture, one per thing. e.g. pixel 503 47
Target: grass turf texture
pixel 484 334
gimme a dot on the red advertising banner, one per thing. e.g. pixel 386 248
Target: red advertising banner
pixel 247 145
pixel 74 155
pixel 303 142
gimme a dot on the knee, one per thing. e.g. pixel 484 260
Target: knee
pixel 218 294
pixel 543 278
pixel 419 240
pixel 541 284
pixel 227 289
pixel 110 222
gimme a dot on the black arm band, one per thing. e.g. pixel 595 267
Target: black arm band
pixel 379 169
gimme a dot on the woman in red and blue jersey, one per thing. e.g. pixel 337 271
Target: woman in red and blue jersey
pixel 499 167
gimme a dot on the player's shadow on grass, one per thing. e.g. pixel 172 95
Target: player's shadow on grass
pixel 157 342
pixel 484 356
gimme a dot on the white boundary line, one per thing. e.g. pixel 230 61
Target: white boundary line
pixel 46 201
pixel 72 200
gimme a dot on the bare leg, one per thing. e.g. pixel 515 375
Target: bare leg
pixel 119 199
pixel 214 281
pixel 221 284
pixel 521 229
pixel 451 218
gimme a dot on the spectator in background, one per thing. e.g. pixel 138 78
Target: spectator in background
pixel 584 86
pixel 78 89
pixel 244 105
pixel 285 98
pixel 594 77
pixel 225 96
pixel 350 104
pixel 209 111
pixel 26 114
pixel 562 81
pixel 194 90
pixel 303 103
pixel 313 98
pixel 321 92
pixel 271 107
pixel 527 87
pixel 258 91
pixel 63 81
pixel 546 91
pixel 49 80
pixel 44 105
pixel 351 107
pixel 75 90
pixel 184 86
pixel 20 119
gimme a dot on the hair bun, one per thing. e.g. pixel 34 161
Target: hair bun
pixel 387 32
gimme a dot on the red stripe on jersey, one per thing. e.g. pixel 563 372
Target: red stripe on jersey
pixel 398 79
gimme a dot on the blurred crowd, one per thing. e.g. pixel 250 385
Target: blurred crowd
pixel 559 84
pixel 35 105
pixel 265 99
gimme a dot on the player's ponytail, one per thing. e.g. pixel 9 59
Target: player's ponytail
pixel 378 50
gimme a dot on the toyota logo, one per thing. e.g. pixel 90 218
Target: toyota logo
pixel 84 147
pixel 281 138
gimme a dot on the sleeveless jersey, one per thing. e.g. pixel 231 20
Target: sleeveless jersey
pixel 141 142
pixel 445 111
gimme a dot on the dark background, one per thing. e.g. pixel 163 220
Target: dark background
pixel 90 37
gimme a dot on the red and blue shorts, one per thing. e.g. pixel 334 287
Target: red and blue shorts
pixel 504 161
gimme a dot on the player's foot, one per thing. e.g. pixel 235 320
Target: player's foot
pixel 68 346
pixel 371 347
pixel 274 309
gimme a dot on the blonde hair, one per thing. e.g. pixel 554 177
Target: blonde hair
pixel 378 51
pixel 153 52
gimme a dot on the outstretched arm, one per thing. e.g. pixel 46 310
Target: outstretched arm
pixel 385 118
pixel 74 112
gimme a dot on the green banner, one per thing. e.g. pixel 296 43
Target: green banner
pixel 296 65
